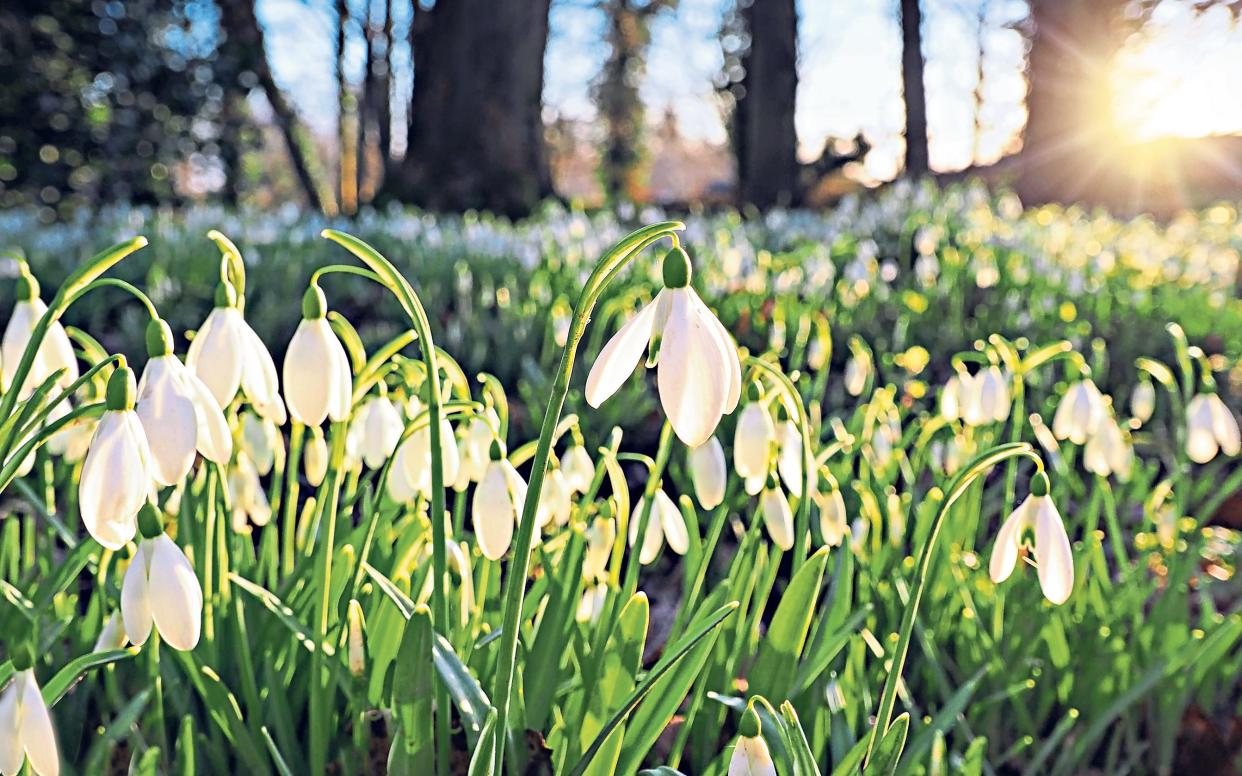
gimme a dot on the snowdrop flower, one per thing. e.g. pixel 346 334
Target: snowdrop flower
pixel 600 536
pixel 708 472
pixel 789 461
pixel 381 430
pixel 1210 427
pixel 53 353
pixel 261 441
pixel 26 731
pixel 498 500
pixel 112 635
pixel 228 356
pixel 753 439
pixel 1108 451
pixel 952 396
pixel 986 397
pixel 417 457
pixel 318 383
pixel 832 520
pixel 665 524
pixel 699 374
pixel 250 504
pixel 555 500
pixel 578 468
pixel 592 603
pixel 479 435
pixel 117 475
pixel 777 517
pixel 315 458
pixel 855 376
pixel 750 755
pixel 1054 558
pixel 178 412
pixel 72 441
pixel 1078 415
pixel 1143 401
pixel 160 589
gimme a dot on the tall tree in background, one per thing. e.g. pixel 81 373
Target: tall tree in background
pixel 615 90
pixel 475 135
pixel 244 44
pixel 760 40
pixel 912 65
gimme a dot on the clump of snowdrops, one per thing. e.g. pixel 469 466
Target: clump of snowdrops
pixel 351 564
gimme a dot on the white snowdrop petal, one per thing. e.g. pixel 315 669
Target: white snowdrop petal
pixel 1225 427
pixel 690 374
pixel 751 758
pixel 114 480
pixel 176 599
pixel 169 421
pixel 11 752
pixel 493 513
pixel 38 735
pixel 1201 443
pixel 617 360
pixel 709 473
pixel 214 354
pixel 135 598
pixel 672 523
pixel 214 440
pixel 258 377
pixel 1053 552
pixel 1005 550
pixel 733 365
pixel 789 462
pixel 777 518
pixel 307 372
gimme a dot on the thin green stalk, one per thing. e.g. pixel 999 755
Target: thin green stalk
pixel 289 500
pixel 319 735
pixel 515 578
pixel 969 473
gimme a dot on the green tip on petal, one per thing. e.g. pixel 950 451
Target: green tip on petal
pixel 22 657
pixel 27 286
pixel 150 522
pixel 314 303
pixel 1040 485
pixel 676 269
pixel 226 295
pixel 159 338
pixel 122 389
pixel 749 725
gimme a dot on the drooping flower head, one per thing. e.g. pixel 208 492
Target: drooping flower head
pixel 751 756
pixel 318 383
pixel 53 352
pixel 1036 516
pixel 777 517
pixel 26 731
pixel 699 374
pixel 1079 413
pixel 160 589
pixel 117 475
pixel 498 500
pixel 986 397
pixel 1210 427
pixel 708 472
pixel 665 523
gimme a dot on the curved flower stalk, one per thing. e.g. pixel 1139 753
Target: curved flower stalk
pixel 1054 558
pixel 178 412
pixel 698 372
pixel 160 589
pixel 229 357
pixel 118 475
pixel 971 472
pixel 515 579
pixel 26 732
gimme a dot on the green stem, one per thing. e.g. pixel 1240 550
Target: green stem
pixel 319 734
pixel 514 590
pixel 971 472
pixel 289 499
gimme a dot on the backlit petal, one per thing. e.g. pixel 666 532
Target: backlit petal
pixel 617 360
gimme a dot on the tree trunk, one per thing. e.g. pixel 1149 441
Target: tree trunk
pixel 764 136
pixel 1072 50
pixel 384 89
pixel 912 63
pixel 245 36
pixel 476 124
pixel 347 163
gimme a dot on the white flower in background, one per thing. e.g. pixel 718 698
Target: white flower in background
pixel 178 412
pixel 753 438
pixel 1108 451
pixel 112 635
pixel 250 504
pixel 855 376
pixel 1037 514
pixel 708 472
pixel 260 440
pixel 832 520
pixel 1143 401
pixel 698 374
pixel 578 468
pixel 1079 413
pixel 315 458
pixel 54 352
pixel 952 396
pixel 555 500
pixel 666 523
pixel 592 603
pixel 600 536
pixel 465 467
pixel 117 475
pixel 789 461
pixel 1210 427
pixel 381 426
pixel 72 441
pixel 26 730
pixel 777 517
pixel 498 500
pixel 416 459
pixel 160 588
pixel 318 383
pixel 986 397
pixel 228 356
pixel 479 435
